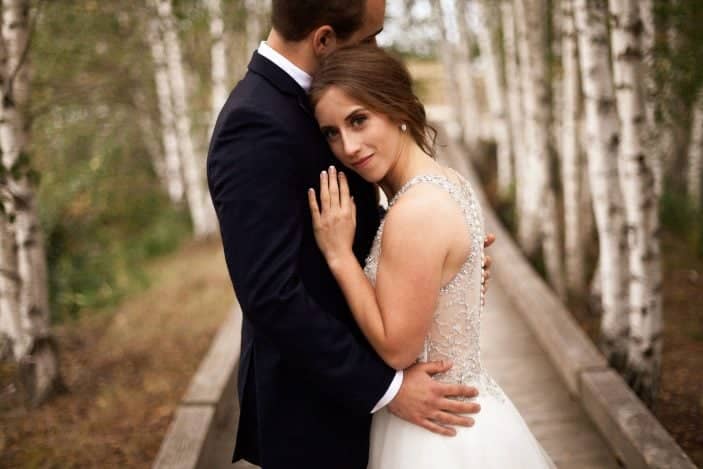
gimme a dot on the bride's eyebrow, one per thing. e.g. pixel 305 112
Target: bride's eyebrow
pixel 352 114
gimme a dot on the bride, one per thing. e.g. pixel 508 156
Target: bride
pixel 419 295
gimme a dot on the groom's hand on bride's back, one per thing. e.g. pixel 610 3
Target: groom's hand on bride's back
pixel 427 403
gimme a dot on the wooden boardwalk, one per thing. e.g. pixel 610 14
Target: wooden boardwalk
pixel 513 356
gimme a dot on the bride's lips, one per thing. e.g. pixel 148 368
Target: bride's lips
pixel 362 162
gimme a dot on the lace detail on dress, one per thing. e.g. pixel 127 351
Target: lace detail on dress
pixel 456 325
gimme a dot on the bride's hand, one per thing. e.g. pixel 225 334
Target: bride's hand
pixel 334 220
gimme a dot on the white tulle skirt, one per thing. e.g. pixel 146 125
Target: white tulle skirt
pixel 499 439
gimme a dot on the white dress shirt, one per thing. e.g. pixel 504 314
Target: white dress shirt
pixel 304 79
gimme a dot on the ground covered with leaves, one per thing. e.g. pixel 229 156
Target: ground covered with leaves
pixel 125 370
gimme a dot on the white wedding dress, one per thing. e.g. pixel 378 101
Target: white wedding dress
pixel 500 438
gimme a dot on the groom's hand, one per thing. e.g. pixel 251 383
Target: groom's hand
pixel 426 402
pixel 486 266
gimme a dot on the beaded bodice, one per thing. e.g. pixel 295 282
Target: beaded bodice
pixel 455 330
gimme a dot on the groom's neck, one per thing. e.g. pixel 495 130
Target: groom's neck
pixel 298 52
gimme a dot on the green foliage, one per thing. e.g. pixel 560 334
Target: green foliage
pixel 102 208
pixel 679 217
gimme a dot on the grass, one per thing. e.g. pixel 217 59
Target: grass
pixel 126 370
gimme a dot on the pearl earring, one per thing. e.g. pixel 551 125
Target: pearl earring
pixel 403 127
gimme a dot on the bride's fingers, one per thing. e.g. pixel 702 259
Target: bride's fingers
pixel 343 191
pixel 314 209
pixel 334 187
pixel 435 428
pixel 324 192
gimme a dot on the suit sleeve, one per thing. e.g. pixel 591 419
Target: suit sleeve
pixel 254 175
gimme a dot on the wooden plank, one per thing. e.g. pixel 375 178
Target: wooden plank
pixel 632 431
pixel 186 438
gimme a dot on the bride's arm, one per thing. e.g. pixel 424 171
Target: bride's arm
pixel 396 315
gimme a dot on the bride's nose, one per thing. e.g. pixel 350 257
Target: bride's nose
pixel 352 144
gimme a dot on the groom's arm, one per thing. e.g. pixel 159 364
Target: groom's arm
pixel 253 174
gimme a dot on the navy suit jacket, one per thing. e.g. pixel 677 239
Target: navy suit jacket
pixel 308 378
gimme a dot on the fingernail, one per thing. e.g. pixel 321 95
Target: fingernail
pixel 323 173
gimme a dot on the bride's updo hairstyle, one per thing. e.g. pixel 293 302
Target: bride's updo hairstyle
pixel 381 83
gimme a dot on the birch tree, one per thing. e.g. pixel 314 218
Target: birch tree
pixel 448 63
pixel 603 133
pixel 169 135
pixel 541 221
pixel 26 277
pixel 253 24
pixel 218 58
pixel 464 76
pixel 514 95
pixel 571 160
pixel 695 154
pixel 641 202
pixel 489 13
pixel 199 206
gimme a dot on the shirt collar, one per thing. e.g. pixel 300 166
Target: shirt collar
pixel 300 76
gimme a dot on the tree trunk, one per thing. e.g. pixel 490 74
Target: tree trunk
pixel 641 203
pixel 253 24
pixel 571 155
pixel 169 135
pixel 646 10
pixel 529 183
pixel 695 154
pixel 513 85
pixel 541 218
pixel 490 15
pixel 462 71
pixel 198 204
pixel 603 129
pixel 37 356
pixel 218 59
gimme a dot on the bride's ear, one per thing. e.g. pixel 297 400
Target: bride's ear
pixel 324 40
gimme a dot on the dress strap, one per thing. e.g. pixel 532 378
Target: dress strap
pixel 435 179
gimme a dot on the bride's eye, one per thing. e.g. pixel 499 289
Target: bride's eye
pixel 358 120
pixel 329 133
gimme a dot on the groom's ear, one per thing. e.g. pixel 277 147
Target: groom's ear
pixel 324 40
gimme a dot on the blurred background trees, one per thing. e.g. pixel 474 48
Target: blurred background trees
pixel 589 112
pixel 603 106
pixel 103 154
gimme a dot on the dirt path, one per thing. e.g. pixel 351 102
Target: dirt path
pixel 126 371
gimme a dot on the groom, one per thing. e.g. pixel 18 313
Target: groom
pixel 308 380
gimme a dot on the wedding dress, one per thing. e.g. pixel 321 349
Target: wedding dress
pixel 500 439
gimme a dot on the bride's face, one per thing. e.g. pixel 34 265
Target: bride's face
pixel 365 141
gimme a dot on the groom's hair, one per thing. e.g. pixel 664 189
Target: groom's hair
pixel 295 19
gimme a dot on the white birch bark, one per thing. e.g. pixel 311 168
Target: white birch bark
pixel 603 133
pixel 646 9
pixel 172 159
pixel 513 86
pixel 462 72
pixel 490 16
pixel 14 340
pixel 448 63
pixel 571 160
pixel 530 183
pixel 253 24
pixel 38 360
pixel 641 203
pixel 541 222
pixel 198 204
pixel 218 59
pixel 695 154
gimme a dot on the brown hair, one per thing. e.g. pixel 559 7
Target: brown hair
pixel 379 81
pixel 295 19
